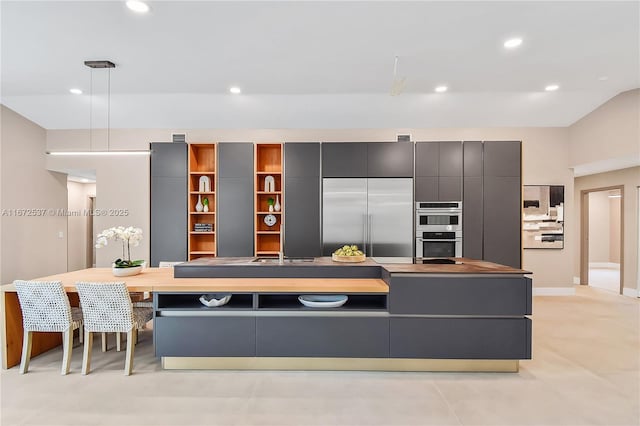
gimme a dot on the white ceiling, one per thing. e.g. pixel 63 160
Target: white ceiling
pixel 317 64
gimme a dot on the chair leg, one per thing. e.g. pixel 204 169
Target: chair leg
pixel 118 341
pixel 104 342
pixel 81 333
pixel 86 355
pixel 67 345
pixel 128 366
pixel 135 336
pixel 26 351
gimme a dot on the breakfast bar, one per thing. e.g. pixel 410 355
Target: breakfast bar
pixel 468 315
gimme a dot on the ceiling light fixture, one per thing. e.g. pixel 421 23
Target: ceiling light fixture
pixel 552 88
pixel 99 65
pixel 441 89
pixel 235 90
pixel 512 43
pixel 615 196
pixel 138 6
pixel 603 78
pixel 76 91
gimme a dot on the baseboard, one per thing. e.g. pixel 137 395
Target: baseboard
pixel 630 292
pixel 606 265
pixel 554 291
pixel 576 280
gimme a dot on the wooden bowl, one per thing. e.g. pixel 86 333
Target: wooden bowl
pixel 348 259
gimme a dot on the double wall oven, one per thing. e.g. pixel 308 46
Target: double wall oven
pixel 439 229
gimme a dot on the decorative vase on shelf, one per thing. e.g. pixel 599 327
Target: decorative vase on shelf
pixel 205 202
pixel 277 206
pixel 269 184
pixel 199 206
pixel 270 207
pixel 204 184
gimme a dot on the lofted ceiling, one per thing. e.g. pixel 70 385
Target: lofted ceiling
pixel 317 64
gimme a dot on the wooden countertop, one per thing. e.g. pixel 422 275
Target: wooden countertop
pixel 161 279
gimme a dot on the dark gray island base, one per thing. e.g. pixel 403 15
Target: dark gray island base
pixel 466 317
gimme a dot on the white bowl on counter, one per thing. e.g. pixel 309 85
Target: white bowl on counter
pixel 214 300
pixel 323 300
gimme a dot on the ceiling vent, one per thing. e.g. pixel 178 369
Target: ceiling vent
pixel 404 138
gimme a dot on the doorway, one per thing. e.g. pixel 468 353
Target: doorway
pixel 602 238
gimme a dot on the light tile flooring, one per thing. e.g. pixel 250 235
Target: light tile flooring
pixel 605 278
pixel 585 371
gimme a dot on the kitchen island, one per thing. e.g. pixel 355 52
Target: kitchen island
pixel 470 316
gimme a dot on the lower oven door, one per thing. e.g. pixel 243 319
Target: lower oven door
pixel 438 248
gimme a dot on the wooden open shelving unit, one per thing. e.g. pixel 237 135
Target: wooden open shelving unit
pixel 202 162
pixel 268 162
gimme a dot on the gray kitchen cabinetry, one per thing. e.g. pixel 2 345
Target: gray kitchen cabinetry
pixel 168 222
pixel 302 221
pixel 317 336
pixel 502 201
pixel 344 159
pixel 234 229
pixel 472 210
pixel 460 338
pixel 438 168
pixel 389 159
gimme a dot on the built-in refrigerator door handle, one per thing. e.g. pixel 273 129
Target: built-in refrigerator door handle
pixel 369 222
pixel 365 227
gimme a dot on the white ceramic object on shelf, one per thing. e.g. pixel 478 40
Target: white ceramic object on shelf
pixel 213 300
pixel 126 272
pixel 270 220
pixel 271 207
pixel 277 205
pixel 205 208
pixel 204 184
pixel 323 300
pixel 269 184
pixel 199 206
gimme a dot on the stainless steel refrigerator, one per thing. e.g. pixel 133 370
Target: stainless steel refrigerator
pixel 375 214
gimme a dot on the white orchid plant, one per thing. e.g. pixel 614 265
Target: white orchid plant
pixel 129 236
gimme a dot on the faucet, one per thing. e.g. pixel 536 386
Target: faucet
pixel 280 257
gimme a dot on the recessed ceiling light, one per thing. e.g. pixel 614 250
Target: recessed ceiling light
pixel 76 91
pixel 552 88
pixel 603 78
pixel 512 43
pixel 441 89
pixel 138 6
pixel 84 180
pixel 235 90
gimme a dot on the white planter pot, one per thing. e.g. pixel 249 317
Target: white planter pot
pixel 126 272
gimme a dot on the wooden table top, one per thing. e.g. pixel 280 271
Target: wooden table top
pixel 161 279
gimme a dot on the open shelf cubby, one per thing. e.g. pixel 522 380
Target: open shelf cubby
pixel 202 162
pixel 268 163
pixel 190 301
pixel 356 302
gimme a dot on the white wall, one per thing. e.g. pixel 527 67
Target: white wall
pixel 31 246
pixel 545 161
pixel 599 227
pixel 77 232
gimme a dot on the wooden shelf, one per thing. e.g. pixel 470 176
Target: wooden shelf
pixel 202 162
pixel 268 161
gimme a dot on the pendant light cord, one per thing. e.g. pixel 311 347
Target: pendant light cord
pixel 109 110
pixel 91 110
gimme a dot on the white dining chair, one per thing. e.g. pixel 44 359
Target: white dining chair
pixel 45 308
pixel 107 308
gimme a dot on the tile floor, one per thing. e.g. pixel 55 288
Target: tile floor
pixel 585 371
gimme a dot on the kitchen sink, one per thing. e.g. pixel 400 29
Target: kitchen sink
pixel 275 260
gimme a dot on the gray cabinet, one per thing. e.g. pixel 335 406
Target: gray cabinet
pixel 168 221
pixel 205 336
pixel 461 338
pixel 472 218
pixel 234 229
pixel 472 158
pixel 438 168
pixel 344 159
pixel 302 188
pixel 415 294
pixel 502 190
pixel 302 236
pixel 322 336
pixel 389 159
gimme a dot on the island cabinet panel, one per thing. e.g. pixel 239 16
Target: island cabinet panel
pixel 323 336
pixel 205 336
pixel 344 159
pixel 461 338
pixel 457 295
pixel 389 159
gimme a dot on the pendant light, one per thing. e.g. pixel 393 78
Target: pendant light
pixel 102 64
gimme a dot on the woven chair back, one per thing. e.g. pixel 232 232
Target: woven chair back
pixel 45 305
pixel 106 307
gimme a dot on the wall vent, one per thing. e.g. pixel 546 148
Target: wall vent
pixel 404 138
pixel 179 137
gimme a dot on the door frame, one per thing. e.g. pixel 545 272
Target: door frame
pixel 584 233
